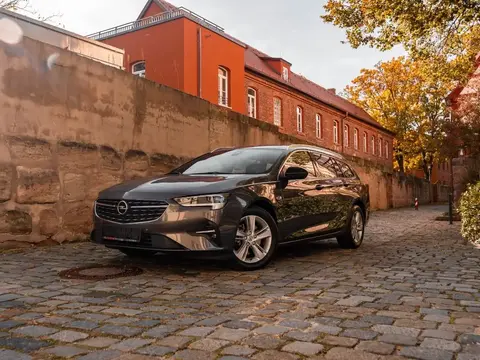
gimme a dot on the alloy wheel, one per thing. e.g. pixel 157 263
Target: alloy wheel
pixel 357 227
pixel 253 240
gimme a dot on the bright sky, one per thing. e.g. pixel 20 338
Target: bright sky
pixel 280 28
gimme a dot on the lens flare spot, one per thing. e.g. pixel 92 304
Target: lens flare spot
pixel 10 32
pixel 52 60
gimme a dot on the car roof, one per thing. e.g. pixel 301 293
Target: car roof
pixel 288 148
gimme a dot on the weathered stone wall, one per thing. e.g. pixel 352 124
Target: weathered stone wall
pixel 68 131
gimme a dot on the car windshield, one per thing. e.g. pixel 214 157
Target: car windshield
pixel 236 161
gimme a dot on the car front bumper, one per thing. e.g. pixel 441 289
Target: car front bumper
pixel 179 229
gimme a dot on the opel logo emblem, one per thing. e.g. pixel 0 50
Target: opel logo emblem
pixel 122 207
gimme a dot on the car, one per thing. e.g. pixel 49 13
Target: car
pixel 239 203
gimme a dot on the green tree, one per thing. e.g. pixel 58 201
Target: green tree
pixel 407 96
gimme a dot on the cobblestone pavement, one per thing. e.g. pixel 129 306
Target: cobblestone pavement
pixel 411 291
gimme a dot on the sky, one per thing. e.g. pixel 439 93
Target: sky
pixel 289 29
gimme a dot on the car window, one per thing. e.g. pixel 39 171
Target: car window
pixel 301 159
pixel 327 167
pixel 233 161
pixel 347 171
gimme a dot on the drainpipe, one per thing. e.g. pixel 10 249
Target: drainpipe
pixel 199 33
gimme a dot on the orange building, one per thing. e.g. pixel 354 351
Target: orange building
pixel 178 48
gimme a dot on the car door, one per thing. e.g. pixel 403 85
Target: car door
pixel 300 204
pixel 338 186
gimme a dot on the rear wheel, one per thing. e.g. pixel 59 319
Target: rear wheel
pixel 354 232
pixel 256 239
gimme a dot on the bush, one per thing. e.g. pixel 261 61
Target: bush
pixel 470 211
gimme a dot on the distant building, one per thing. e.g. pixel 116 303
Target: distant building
pixel 67 40
pixel 178 48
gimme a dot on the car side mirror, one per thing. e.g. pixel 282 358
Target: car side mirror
pixel 295 173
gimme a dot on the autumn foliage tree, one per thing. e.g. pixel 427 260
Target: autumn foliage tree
pixel 423 27
pixel 407 97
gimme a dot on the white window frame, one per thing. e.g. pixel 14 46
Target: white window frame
pixel 222 86
pixel 365 142
pixel 373 144
pixel 386 150
pixel 335 131
pixel 380 141
pixel 252 102
pixel 318 126
pixel 299 119
pixel 285 73
pixel 346 135
pixel 355 138
pixel 139 73
pixel 277 111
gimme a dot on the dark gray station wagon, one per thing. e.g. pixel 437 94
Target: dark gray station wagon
pixel 237 202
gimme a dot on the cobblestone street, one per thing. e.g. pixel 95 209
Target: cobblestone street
pixel 411 291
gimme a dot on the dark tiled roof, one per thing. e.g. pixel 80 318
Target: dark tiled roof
pixel 253 61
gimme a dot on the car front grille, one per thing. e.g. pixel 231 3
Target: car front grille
pixel 137 211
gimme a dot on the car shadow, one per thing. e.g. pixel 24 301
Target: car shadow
pixel 180 264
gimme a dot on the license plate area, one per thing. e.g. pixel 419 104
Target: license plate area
pixel 119 233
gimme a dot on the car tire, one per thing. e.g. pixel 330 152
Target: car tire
pixel 352 238
pixel 137 253
pixel 254 244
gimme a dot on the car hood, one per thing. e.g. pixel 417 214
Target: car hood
pixel 172 186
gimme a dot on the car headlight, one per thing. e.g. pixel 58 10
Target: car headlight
pixel 216 201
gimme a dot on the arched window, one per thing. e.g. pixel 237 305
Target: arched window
pixel 299 119
pixel 365 142
pixel 252 102
pixel 386 150
pixel 222 86
pixel 335 131
pixel 380 140
pixel 373 144
pixel 346 135
pixel 355 139
pixel 318 126
pixel 138 69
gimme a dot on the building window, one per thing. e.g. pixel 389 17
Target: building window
pixel 386 150
pixel 335 131
pixel 222 86
pixel 277 111
pixel 365 142
pixel 252 102
pixel 346 135
pixel 318 126
pixel 373 145
pixel 380 147
pixel 355 139
pixel 299 119
pixel 138 69
pixel 285 73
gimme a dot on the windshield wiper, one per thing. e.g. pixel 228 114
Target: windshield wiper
pixel 207 173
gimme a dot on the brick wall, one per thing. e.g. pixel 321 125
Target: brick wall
pixel 267 90
pixel 69 132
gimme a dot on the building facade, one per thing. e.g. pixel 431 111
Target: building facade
pixel 178 48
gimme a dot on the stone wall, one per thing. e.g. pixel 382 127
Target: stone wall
pixel 69 130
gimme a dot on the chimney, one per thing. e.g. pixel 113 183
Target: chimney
pixel 332 90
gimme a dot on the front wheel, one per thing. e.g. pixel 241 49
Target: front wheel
pixel 354 232
pixel 256 239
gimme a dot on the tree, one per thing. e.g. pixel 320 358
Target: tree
pixel 407 97
pixel 24 6
pixel 424 27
